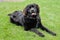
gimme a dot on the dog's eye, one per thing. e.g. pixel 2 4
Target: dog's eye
pixel 14 16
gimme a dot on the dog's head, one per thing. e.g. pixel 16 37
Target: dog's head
pixel 31 10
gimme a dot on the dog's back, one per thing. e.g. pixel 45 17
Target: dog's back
pixel 17 17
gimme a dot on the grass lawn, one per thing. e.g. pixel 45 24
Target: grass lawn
pixel 49 13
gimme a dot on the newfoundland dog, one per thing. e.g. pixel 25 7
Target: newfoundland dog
pixel 29 18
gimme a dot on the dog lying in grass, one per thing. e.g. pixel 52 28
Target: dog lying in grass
pixel 30 19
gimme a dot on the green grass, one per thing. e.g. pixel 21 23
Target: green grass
pixel 50 17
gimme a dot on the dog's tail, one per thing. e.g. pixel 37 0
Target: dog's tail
pixel 9 14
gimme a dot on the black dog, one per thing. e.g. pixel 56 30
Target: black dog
pixel 30 19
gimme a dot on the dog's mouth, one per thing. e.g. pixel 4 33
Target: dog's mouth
pixel 32 16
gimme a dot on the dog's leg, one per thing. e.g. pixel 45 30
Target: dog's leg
pixel 47 30
pixel 44 28
pixel 37 32
pixel 33 30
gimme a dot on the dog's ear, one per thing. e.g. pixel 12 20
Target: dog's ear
pixel 25 10
pixel 38 9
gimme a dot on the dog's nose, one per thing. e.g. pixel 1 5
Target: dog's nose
pixel 32 11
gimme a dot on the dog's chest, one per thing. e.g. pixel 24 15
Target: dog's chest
pixel 30 22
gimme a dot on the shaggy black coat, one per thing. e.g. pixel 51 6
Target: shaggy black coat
pixel 30 19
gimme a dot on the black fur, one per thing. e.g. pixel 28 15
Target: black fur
pixel 30 19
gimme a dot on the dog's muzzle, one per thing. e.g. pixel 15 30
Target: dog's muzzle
pixel 34 15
